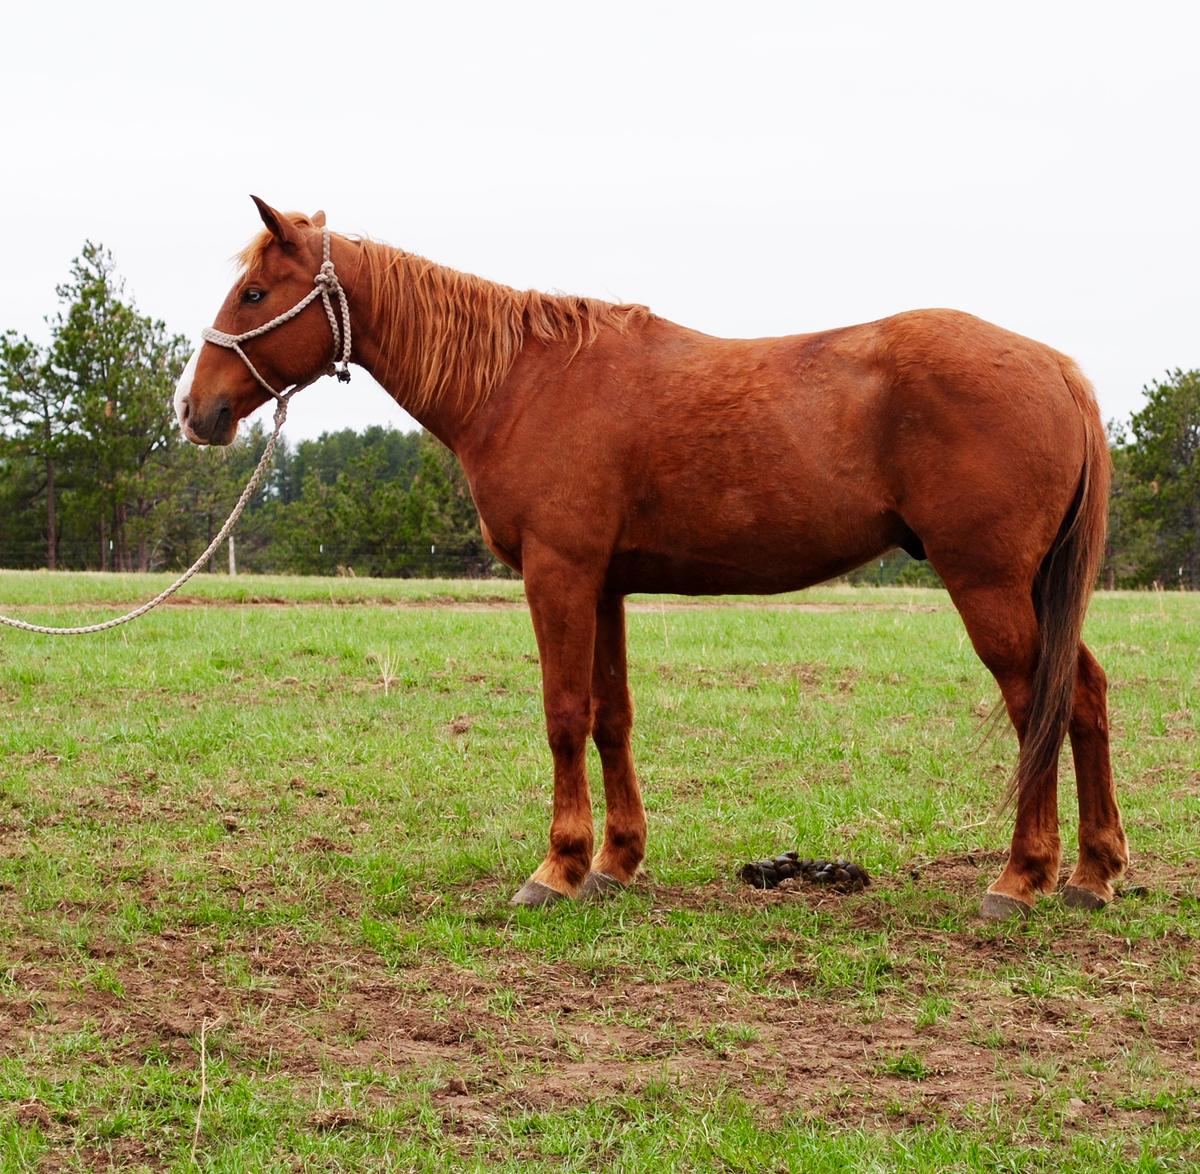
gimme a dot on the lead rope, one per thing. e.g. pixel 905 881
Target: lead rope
pixel 325 281
pixel 247 493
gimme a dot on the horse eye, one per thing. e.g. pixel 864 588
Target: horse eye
pixel 253 295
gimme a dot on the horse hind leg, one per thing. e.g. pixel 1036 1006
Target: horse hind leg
pixel 1103 850
pixel 1003 627
pixel 624 845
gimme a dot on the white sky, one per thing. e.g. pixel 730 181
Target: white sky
pixel 743 168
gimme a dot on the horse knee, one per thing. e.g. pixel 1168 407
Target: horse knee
pixel 567 727
pixel 611 726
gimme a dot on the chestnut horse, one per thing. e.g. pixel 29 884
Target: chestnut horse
pixel 610 451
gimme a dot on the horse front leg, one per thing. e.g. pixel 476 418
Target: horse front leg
pixel 624 846
pixel 562 602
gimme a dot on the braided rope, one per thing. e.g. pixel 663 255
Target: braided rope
pixel 325 281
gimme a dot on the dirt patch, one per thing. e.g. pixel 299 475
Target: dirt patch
pixel 536 1035
pixel 809 678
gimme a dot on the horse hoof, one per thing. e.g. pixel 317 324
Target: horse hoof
pixel 1075 897
pixel 600 884
pixel 533 895
pixel 998 907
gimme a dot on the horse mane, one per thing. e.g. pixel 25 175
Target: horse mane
pixel 446 332
pixel 443 332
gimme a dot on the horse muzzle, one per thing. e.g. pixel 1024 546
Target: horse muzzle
pixel 212 425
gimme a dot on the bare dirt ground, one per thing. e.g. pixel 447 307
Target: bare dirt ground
pixel 541 1036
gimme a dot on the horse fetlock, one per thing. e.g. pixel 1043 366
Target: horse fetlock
pixel 1024 880
pixel 565 872
pixel 1031 869
pixel 1090 884
pixel 622 866
pixel 622 852
pixel 1104 853
pixel 571 846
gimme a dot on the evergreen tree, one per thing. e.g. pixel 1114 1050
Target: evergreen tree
pixel 1130 559
pixel 118 369
pixel 1160 472
pixel 441 514
pixel 36 417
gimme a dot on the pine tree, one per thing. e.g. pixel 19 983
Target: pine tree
pixel 1164 462
pixel 37 418
pixel 117 368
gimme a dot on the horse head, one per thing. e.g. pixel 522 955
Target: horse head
pixel 220 386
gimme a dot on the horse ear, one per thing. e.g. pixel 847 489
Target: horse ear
pixel 279 226
pixel 318 219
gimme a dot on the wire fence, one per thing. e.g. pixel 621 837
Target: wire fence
pixel 371 560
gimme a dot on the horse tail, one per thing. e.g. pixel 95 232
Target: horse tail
pixel 1061 591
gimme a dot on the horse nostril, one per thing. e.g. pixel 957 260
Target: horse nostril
pixel 185 410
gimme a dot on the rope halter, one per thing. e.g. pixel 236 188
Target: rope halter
pixel 325 286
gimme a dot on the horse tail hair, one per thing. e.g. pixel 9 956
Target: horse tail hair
pixel 1061 591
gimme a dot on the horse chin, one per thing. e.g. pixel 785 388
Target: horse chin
pixel 224 433
pixel 190 435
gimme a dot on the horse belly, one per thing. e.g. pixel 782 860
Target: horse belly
pixel 696 551
pixel 651 573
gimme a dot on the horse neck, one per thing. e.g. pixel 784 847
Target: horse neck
pixel 457 405
pixel 445 344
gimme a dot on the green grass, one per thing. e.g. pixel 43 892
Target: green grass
pixel 298 826
pixel 37 588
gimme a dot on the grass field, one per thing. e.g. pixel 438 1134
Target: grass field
pixel 256 849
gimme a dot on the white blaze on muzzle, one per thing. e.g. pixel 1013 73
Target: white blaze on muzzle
pixel 184 386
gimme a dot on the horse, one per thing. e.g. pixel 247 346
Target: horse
pixel 610 451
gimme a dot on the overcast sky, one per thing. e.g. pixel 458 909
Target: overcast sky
pixel 745 169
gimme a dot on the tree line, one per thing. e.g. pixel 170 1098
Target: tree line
pixel 94 474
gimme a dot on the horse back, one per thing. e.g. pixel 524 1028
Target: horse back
pixel 685 462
